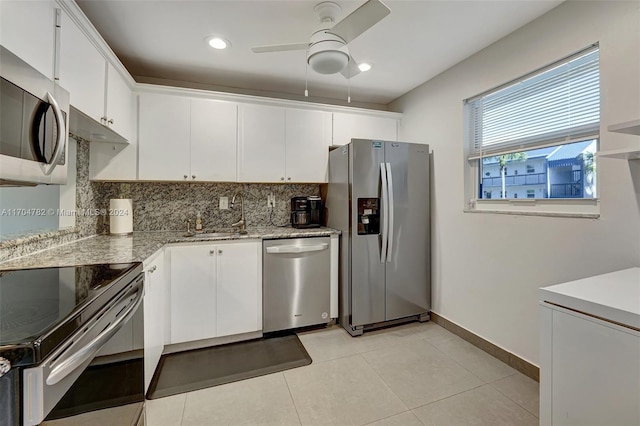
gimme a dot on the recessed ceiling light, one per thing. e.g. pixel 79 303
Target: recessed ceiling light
pixel 364 67
pixel 218 42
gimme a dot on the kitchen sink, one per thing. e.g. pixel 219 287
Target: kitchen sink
pixel 211 234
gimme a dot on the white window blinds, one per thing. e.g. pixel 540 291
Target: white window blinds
pixel 560 103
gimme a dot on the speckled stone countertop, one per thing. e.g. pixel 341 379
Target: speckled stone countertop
pixel 139 246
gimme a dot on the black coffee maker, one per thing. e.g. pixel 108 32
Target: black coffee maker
pixel 306 212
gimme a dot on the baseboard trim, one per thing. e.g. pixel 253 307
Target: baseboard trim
pixel 508 358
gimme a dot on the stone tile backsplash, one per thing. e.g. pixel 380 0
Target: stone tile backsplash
pixel 167 206
pixel 162 206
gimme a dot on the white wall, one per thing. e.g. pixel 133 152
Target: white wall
pixel 487 267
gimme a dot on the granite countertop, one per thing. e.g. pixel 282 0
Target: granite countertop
pixel 614 296
pixel 138 246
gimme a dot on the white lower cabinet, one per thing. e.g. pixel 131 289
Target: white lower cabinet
pixel 154 314
pixel 589 370
pixel 193 293
pixel 238 288
pixel 216 290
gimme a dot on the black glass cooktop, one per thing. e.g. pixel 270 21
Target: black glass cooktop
pixel 40 308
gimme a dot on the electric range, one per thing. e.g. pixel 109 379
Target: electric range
pixel 53 323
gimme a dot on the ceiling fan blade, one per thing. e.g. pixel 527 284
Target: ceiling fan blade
pixel 280 47
pixel 360 20
pixel 351 69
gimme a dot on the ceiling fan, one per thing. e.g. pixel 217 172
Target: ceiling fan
pixel 327 51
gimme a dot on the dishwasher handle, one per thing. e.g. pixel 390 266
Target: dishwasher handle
pixel 297 249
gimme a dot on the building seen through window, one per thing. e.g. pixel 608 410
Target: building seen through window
pixel 563 171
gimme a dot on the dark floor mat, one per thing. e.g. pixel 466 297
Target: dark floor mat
pixel 203 368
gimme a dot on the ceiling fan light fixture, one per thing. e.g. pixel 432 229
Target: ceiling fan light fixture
pixel 364 66
pixel 328 61
pixel 218 43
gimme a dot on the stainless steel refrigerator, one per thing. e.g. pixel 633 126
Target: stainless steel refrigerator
pixel 378 196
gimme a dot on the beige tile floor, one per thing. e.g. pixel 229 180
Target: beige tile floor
pixel 415 374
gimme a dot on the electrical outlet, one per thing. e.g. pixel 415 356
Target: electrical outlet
pixel 224 203
pixel 271 200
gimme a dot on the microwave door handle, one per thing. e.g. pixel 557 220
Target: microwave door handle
pixel 391 208
pixel 385 213
pixel 62 135
pixel 67 366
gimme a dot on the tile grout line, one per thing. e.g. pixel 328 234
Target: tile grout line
pixel 484 382
pixel 393 415
pixel 440 399
pixel 184 408
pixel 475 375
pixel 449 396
pixel 511 399
pixel 295 407
pixel 386 385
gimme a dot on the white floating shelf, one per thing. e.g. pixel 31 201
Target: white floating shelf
pixel 630 127
pixel 624 154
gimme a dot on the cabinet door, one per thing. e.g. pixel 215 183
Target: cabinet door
pixel 356 126
pixel 262 144
pixel 307 150
pixel 193 293
pixel 27 29
pixel 154 317
pixel 595 372
pixel 120 105
pixel 82 70
pixel 164 128
pixel 214 127
pixel 117 161
pixel 239 295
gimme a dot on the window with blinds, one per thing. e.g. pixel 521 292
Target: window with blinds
pixel 537 134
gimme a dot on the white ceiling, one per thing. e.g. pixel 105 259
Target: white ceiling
pixel 418 40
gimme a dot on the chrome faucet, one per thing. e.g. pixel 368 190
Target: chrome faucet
pixel 241 224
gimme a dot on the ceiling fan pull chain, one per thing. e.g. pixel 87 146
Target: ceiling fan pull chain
pixel 306 74
pixel 348 84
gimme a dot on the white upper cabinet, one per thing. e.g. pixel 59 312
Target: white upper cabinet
pixel 27 29
pixel 120 105
pixel 117 161
pixel 283 144
pixel 214 128
pixel 186 139
pixel 261 144
pixel 164 131
pixel 96 87
pixel 308 136
pixel 82 70
pixel 183 135
pixel 347 126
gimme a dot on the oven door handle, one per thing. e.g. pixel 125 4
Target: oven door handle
pixel 68 365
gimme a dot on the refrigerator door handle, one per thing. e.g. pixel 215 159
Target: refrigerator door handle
pixel 385 213
pixel 391 207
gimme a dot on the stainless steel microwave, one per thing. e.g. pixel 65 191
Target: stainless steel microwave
pixel 33 125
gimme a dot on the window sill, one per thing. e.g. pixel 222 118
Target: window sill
pixel 573 208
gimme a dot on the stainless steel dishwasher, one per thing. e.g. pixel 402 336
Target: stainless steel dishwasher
pixel 296 282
